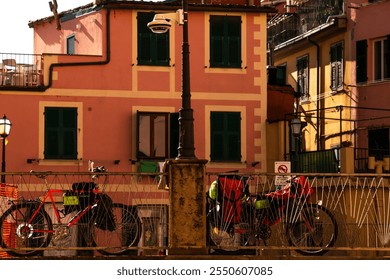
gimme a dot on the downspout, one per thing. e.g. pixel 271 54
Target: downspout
pixel 102 62
pixel 319 124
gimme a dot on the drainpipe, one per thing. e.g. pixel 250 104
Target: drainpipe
pixel 103 62
pixel 319 124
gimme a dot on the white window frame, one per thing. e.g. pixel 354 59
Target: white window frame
pixel 382 71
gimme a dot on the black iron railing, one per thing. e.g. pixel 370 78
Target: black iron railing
pixel 301 19
pixel 325 161
pixel 20 70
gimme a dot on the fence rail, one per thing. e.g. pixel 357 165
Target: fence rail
pixel 359 202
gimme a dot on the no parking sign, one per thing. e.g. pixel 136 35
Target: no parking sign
pixel 282 167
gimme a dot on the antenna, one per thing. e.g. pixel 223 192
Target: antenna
pixel 53 7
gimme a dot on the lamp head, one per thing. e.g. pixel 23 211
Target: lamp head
pixel 296 126
pixel 159 24
pixel 5 127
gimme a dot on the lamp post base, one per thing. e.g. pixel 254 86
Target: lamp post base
pixel 187 211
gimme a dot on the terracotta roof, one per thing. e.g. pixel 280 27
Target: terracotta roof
pixel 207 5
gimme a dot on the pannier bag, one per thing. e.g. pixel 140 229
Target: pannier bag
pixel 71 202
pixel 79 197
pixel 231 191
pixel 105 219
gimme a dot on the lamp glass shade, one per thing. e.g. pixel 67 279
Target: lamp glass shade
pixel 5 127
pixel 296 127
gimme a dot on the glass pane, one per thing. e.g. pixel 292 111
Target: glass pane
pixel 144 136
pixel 160 136
pixel 70 45
pixel 386 59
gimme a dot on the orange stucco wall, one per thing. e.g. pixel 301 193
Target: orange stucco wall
pixel 109 94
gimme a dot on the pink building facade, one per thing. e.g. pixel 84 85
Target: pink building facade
pixel 371 44
pixel 110 89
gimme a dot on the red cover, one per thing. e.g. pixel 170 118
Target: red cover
pixel 231 190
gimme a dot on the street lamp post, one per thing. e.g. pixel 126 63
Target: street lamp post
pixel 5 128
pixel 186 171
pixel 186 120
pixel 161 24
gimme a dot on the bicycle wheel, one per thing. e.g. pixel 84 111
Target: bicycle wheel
pixel 20 237
pixel 227 232
pixel 119 233
pixel 314 230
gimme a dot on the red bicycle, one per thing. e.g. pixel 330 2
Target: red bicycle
pixel 237 219
pixel 26 228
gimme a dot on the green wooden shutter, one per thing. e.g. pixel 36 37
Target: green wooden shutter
pixel 225 41
pixel 173 135
pixel 216 41
pixel 234 42
pixel 60 133
pixel 387 58
pixel 225 136
pixel 336 66
pixel 361 61
pixel 153 49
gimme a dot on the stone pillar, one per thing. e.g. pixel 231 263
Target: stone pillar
pixel 187 209
pixel 347 160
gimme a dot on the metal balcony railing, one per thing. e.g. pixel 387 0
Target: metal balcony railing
pixel 304 17
pixel 20 70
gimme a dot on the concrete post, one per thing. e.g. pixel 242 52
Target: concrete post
pixel 347 160
pixel 187 210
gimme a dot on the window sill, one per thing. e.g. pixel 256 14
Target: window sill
pixel 216 70
pixel 227 165
pixel 373 82
pixel 61 162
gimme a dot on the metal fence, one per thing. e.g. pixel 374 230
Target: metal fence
pixel 136 191
pixel 359 203
pixel 324 161
pixel 20 70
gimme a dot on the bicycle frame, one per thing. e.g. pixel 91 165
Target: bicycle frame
pixel 50 195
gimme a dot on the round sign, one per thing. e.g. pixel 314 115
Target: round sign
pixel 282 168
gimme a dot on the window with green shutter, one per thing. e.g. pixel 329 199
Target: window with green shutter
pixel 153 49
pixel 225 136
pixel 225 41
pixel 60 133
